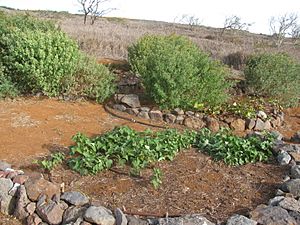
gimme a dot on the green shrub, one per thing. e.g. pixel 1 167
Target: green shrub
pixel 93 80
pixel 175 73
pixel 7 88
pixel 235 150
pixel 37 56
pixel 274 75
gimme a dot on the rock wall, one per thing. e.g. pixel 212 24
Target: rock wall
pixel 37 201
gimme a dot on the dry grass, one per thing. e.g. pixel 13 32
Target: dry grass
pixel 110 37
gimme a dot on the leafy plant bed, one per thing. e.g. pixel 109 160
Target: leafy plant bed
pixel 192 183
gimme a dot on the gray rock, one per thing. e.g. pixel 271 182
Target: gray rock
pixel 144 109
pixel 269 215
pixel 275 201
pixel 288 147
pixel 4 165
pixel 34 219
pixel 136 221
pixel 189 113
pixel 259 125
pixel 250 123
pixel 119 107
pixel 73 213
pixel 276 122
pixel 238 125
pixel 262 115
pixel 292 186
pixel 296 137
pixel 277 135
pixel 7 202
pixel 180 119
pixel 240 220
pixel 144 115
pixel 296 216
pixel 170 118
pixel 268 125
pixel 31 207
pixel 120 217
pixel 295 171
pixel 99 215
pixel 290 204
pixel 79 221
pixel 178 112
pixel 279 192
pixel 131 100
pixel 132 111
pixel 156 115
pixel 283 158
pixel 186 220
pixel 21 203
pixel 50 212
pixel 75 198
pixel 14 189
pixel 194 123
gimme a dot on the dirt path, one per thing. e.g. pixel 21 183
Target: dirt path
pixel 34 127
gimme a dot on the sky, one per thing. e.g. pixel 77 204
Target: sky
pixel 210 12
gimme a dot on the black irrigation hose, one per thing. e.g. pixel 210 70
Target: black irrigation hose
pixel 110 111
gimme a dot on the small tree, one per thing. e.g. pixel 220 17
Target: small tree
pixel 92 7
pixel 234 23
pixel 295 33
pixel 282 26
pixel 192 21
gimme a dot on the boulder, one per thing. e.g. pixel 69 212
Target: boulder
pixel 250 124
pixel 156 115
pixel 275 122
pixel 7 202
pixel 238 125
pixel 136 221
pixel 144 115
pixel 180 119
pixel 131 100
pixel 292 186
pixel 144 109
pixel 259 125
pixel 37 186
pixel 240 220
pixel 50 212
pixel 99 215
pixel 194 123
pixel 34 219
pixel 178 112
pixel 132 111
pixel 120 217
pixel 21 203
pixel 262 115
pixel 275 201
pixel 75 198
pixel 274 215
pixel 212 124
pixel 31 207
pixel 119 107
pixel 20 179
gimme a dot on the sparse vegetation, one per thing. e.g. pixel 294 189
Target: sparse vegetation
pixel 274 75
pixel 176 73
pixel 234 23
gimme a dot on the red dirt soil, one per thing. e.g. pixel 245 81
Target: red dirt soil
pixel 192 183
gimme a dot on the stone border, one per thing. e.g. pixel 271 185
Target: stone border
pixel 36 201
pixel 130 104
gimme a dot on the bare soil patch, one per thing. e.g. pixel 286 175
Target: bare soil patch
pixel 192 183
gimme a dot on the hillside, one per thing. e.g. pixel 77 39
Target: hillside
pixel 109 37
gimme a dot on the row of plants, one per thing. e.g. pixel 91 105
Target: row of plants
pixel 138 150
pixel 36 56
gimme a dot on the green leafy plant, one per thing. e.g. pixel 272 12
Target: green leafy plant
pixel 156 180
pixel 235 150
pixel 7 88
pixel 175 73
pixel 274 75
pixel 55 159
pixel 126 146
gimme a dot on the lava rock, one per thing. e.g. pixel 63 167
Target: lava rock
pixel 262 115
pixel 131 100
pixel 34 219
pixel 144 109
pixel 156 115
pixel 22 200
pixel 212 124
pixel 73 213
pixel 144 115
pixel 194 123
pixel 120 217
pixel 250 123
pixel 295 171
pixel 170 118
pixel 136 221
pixel 180 119
pixel 75 198
pixel 178 112
pixel 99 215
pixel 38 186
pixel 275 201
pixel 188 220
pixel 20 179
pixel 31 207
pixel 272 215
pixel 7 202
pixel 240 220
pixel 119 107
pixel 50 212
pixel 290 204
pixel 292 186
pixel 283 158
pixel 259 125
pixel 238 125
pixel 132 111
